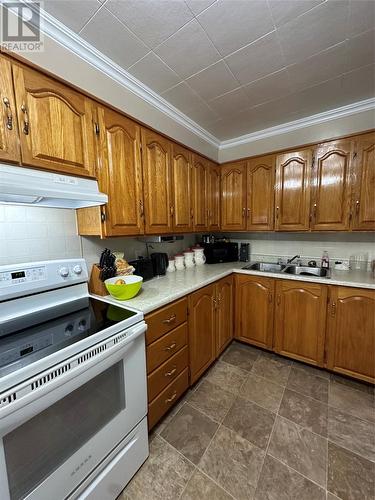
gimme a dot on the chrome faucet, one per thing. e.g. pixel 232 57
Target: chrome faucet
pixel 289 261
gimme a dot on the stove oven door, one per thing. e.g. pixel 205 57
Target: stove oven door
pixel 62 427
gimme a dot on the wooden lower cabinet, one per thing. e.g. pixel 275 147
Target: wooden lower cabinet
pixel 254 310
pixel 224 314
pixel 351 332
pixel 300 320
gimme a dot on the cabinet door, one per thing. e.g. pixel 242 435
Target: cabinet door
pixel 254 310
pixel 224 313
pixel 233 199
pixel 293 171
pixel 261 193
pixel 202 346
pixel 56 124
pixel 156 162
pixel 214 198
pixel 181 189
pixel 9 145
pixel 331 186
pixel 351 332
pixel 364 184
pixel 199 194
pixel 300 320
pixel 120 173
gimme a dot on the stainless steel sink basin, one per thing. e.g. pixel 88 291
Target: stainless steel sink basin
pixel 265 266
pixel 307 271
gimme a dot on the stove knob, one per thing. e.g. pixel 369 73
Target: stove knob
pixel 77 269
pixel 64 272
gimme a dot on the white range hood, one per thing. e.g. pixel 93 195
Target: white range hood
pixel 26 186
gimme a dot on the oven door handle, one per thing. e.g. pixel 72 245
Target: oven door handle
pixel 34 402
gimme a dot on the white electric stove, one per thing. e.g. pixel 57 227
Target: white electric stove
pixel 73 397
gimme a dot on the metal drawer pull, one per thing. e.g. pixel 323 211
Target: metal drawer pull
pixel 9 113
pixel 169 320
pixel 171 347
pixel 25 120
pixel 172 372
pixel 169 400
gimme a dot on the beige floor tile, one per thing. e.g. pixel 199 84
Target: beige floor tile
pixel 300 449
pixel 308 384
pixel 227 377
pixel 272 368
pixel 241 356
pixel 357 403
pixel 202 487
pixel 312 370
pixel 304 411
pixel 263 392
pixel 212 400
pixel 353 384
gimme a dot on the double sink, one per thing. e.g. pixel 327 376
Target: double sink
pixel 270 267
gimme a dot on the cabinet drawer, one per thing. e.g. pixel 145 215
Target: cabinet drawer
pixel 167 372
pixel 165 319
pixel 164 348
pixel 167 398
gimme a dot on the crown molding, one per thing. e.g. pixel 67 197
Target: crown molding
pixel 326 116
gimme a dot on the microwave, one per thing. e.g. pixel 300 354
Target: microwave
pixel 220 251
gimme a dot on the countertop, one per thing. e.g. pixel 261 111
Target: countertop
pixel 165 289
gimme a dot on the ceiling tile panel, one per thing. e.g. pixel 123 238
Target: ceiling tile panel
pixel 197 6
pixel 359 84
pixel 362 16
pixel 152 21
pixel 320 67
pixel 73 14
pixel 231 24
pixel 277 84
pixel 230 103
pixel 284 10
pixel 361 50
pixel 154 73
pixel 257 60
pixel 213 81
pixel 189 50
pixel 182 97
pixel 318 29
pixel 112 38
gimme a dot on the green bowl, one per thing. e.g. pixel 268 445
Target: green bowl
pixel 127 291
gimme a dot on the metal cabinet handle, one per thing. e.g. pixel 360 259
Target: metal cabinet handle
pixel 8 109
pixel 172 372
pixel 333 309
pixel 357 206
pixel 278 299
pixel 169 320
pixel 169 400
pixel 243 212
pixel 248 212
pixel 270 298
pixel 171 347
pixel 172 210
pixel 26 122
pixel 277 212
pixel 141 210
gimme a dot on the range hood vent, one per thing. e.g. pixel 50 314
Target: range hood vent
pixel 26 186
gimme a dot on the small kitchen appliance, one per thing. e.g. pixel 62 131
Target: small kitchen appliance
pixel 143 267
pixel 159 263
pixel 245 252
pixel 220 251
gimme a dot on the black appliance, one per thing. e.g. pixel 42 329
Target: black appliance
pixel 245 252
pixel 143 267
pixel 220 251
pixel 159 263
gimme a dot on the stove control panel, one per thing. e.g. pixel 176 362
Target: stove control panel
pixel 22 275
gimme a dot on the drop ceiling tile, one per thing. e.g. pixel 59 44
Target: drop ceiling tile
pixel 73 14
pixel 322 97
pixel 320 67
pixel 112 38
pixel 233 24
pixel 202 114
pixel 189 50
pixel 359 84
pixel 257 59
pixel 230 103
pixel 285 10
pixel 268 88
pixel 154 73
pixel 196 6
pixel 318 29
pixel 213 81
pixel 362 16
pixel 182 97
pixel 361 50
pixel 152 21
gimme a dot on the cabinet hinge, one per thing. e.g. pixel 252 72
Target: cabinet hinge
pixel 354 155
pixel 313 162
pixel 103 216
pixel 97 129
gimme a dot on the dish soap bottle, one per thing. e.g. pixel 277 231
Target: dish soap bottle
pixel 325 260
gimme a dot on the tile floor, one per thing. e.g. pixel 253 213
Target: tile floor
pixel 259 426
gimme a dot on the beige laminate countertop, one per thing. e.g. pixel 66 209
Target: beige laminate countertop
pixel 161 291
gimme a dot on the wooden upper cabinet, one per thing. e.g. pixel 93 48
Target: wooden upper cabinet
pixel 260 193
pixel 300 320
pixel 254 310
pixel 156 162
pixel 331 186
pixel 202 345
pixel 351 332
pixel 181 189
pixel 9 143
pixel 56 124
pixel 233 202
pixel 364 184
pixel 292 191
pixel 199 193
pixel 214 198
pixel 224 313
